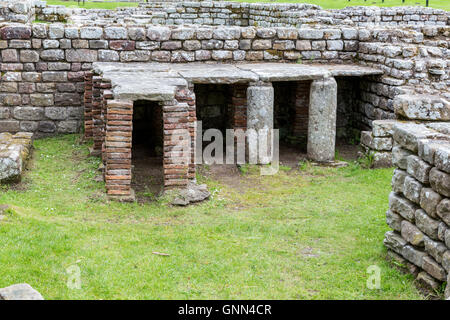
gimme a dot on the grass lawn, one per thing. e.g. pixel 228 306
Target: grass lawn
pixel 326 4
pixel 92 5
pixel 306 233
pixel 338 4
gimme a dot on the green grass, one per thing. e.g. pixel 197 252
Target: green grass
pixel 339 4
pixel 308 233
pixel 92 5
pixel 326 4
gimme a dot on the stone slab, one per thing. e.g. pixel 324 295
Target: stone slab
pixel 158 81
pixel 14 153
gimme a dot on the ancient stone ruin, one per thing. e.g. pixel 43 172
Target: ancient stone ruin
pixel 135 77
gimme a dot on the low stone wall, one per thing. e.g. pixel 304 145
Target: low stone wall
pixel 261 14
pixel 17 11
pixel 51 13
pixel 43 65
pixel 246 14
pixel 419 204
pixel 14 153
pixel 377 143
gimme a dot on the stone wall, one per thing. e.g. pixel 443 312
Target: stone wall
pixel 419 204
pixel 22 11
pixel 409 107
pixel 51 13
pixel 43 65
pixel 253 14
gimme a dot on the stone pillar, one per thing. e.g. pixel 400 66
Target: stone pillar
pixel 118 143
pixel 322 120
pixel 260 98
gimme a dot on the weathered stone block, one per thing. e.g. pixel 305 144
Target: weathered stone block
pixel 446 261
pixel 69 126
pixel 382 159
pixel 442 157
pixel 433 268
pixel 428 282
pixel 400 156
pixel 398 180
pixel 418 168
pixel 440 181
pixel 435 248
pixel 81 55
pixel 157 33
pixel 41 99
pixel 422 107
pixel 413 255
pixel 408 135
pixel 91 33
pixel 426 224
pixel 310 33
pixel 443 210
pixel 116 33
pixel 411 233
pixel 52 55
pixel 10 55
pixel 182 33
pixel 56 31
pixel 402 206
pixel 429 200
pixel 108 55
pixel 28 113
pixel 394 241
pixel 21 291
pixel 54 76
pixel 15 32
pixel 56 113
pixel 383 128
pixel 412 189
pixel 394 220
pixel 376 143
pixel 67 99
pixel 441 231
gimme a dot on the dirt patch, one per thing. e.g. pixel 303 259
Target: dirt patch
pixel 148 179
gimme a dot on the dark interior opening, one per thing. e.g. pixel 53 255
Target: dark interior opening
pixel 291 105
pixel 348 129
pixel 147 153
pixel 213 108
pixel 213 102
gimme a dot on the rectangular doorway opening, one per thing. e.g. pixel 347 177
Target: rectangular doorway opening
pixel 147 152
pixel 348 130
pixel 221 107
pixel 291 105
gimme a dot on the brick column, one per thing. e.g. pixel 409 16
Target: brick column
pixel 238 106
pixel 97 115
pixel 88 123
pixel 179 119
pixel 300 125
pixel 107 95
pixel 119 130
pixel 322 120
